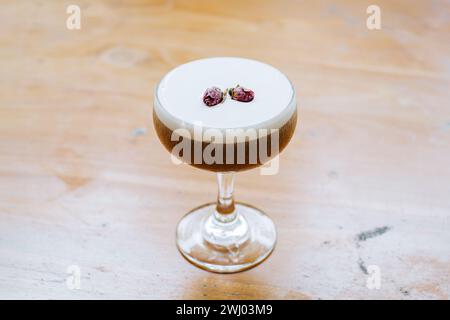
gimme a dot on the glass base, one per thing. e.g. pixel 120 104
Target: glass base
pixel 242 242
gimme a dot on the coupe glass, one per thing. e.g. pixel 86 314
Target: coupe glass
pixel 225 236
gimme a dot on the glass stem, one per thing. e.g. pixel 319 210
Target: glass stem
pixel 225 211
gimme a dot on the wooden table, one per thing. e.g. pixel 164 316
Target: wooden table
pixel 363 189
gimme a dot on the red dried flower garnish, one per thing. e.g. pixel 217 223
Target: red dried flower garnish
pixel 241 94
pixel 213 96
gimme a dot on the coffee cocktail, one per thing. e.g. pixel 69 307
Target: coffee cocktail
pixel 227 136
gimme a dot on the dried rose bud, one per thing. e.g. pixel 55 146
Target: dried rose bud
pixel 213 96
pixel 241 94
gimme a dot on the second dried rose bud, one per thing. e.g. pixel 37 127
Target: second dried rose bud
pixel 213 96
pixel 241 94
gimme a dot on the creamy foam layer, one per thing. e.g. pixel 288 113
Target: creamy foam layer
pixel 178 96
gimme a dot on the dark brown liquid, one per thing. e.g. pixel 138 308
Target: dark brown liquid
pixel 284 136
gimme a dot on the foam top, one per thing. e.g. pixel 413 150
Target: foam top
pixel 179 104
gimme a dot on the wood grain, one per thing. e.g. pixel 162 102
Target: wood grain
pixel 84 180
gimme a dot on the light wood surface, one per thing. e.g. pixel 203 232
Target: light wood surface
pixel 84 181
